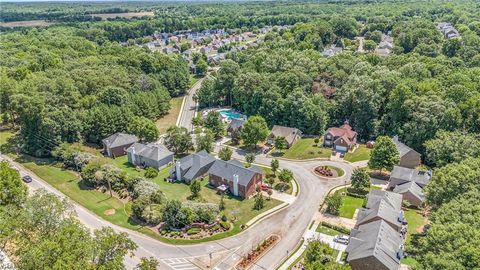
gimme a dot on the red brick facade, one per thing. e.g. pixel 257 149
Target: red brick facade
pixel 243 191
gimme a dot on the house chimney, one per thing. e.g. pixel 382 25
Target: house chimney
pixel 133 155
pixel 178 171
pixel 235 184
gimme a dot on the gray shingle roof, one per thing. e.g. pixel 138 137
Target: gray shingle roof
pixel 236 124
pixel 226 170
pixel 401 147
pixel 287 132
pixel 376 239
pixel 382 210
pixel 193 164
pixel 406 174
pixel 393 199
pixel 119 139
pixel 411 187
pixel 151 151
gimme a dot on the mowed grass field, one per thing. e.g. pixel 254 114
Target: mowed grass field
pixel 361 153
pixel 306 149
pixel 350 203
pixel 170 119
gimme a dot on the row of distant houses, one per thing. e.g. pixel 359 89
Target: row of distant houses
pixel 226 176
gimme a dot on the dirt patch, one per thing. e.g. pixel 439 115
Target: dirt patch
pixel 109 212
pixel 27 23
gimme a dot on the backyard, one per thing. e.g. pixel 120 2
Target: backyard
pixel 415 222
pixel 305 149
pixel 361 153
pixel 350 203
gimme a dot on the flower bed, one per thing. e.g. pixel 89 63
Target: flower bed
pixel 258 252
pixel 328 171
pixel 196 230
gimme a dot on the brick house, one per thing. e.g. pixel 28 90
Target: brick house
pixel 409 158
pixel 117 144
pixel 240 181
pixel 342 139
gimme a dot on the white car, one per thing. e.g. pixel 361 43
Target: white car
pixel 342 239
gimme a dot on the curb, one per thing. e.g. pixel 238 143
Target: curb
pixel 266 214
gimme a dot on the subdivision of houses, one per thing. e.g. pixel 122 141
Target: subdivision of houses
pixel 117 144
pixel 376 242
pixel 291 135
pixel 342 139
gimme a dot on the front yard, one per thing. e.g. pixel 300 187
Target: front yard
pixel 305 149
pixel 361 153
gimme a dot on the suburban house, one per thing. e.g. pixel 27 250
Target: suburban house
pixel 401 175
pixel 192 166
pixel 411 192
pixel 383 205
pixel 233 176
pixel 448 30
pixel 375 246
pixel 291 135
pixel 235 125
pixel 341 138
pixel 409 158
pixel 117 144
pixel 149 155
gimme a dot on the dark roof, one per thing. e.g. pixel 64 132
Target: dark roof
pixel 226 170
pixel 382 210
pixel 393 199
pixel 151 151
pixel 235 124
pixel 411 187
pixel 287 132
pixel 411 175
pixel 193 163
pixel 376 239
pixel 119 139
pixel 401 147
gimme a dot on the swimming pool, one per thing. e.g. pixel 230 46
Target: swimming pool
pixel 230 114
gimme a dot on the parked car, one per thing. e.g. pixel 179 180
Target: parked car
pixel 27 179
pixel 342 239
pixel 266 150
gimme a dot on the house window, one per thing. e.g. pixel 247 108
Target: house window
pixel 329 136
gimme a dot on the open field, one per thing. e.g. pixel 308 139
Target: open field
pixel 27 23
pixel 170 118
pixel 5 135
pixel 127 15
pixel 361 153
pixel 305 149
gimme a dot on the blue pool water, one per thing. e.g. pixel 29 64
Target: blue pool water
pixel 230 114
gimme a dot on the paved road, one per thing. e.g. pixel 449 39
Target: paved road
pixel 189 107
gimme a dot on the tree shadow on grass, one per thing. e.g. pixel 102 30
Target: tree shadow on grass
pixel 277 154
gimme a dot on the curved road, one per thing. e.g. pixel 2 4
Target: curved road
pixel 290 223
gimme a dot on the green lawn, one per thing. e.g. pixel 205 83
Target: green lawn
pixel 193 79
pixel 326 230
pixel 350 204
pixel 410 262
pixel 68 183
pixel 306 149
pixel 5 135
pixel 415 222
pixel 361 153
pixel 170 118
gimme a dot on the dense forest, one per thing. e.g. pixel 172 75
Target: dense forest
pixel 74 82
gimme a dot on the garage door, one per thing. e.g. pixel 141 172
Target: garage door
pixel 340 148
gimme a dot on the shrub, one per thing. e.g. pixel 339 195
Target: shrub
pixel 224 217
pixel 151 172
pixel 193 231
pixel 145 188
pixel 226 225
pixel 336 228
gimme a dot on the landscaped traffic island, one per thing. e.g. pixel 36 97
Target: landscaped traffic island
pixel 329 171
pixel 258 252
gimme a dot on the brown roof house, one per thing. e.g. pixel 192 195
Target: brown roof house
pixel 375 246
pixel 192 166
pixel 149 155
pixel 401 175
pixel 341 139
pixel 411 192
pixel 409 158
pixel 383 205
pixel 235 125
pixel 117 144
pixel 291 135
pixel 233 176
